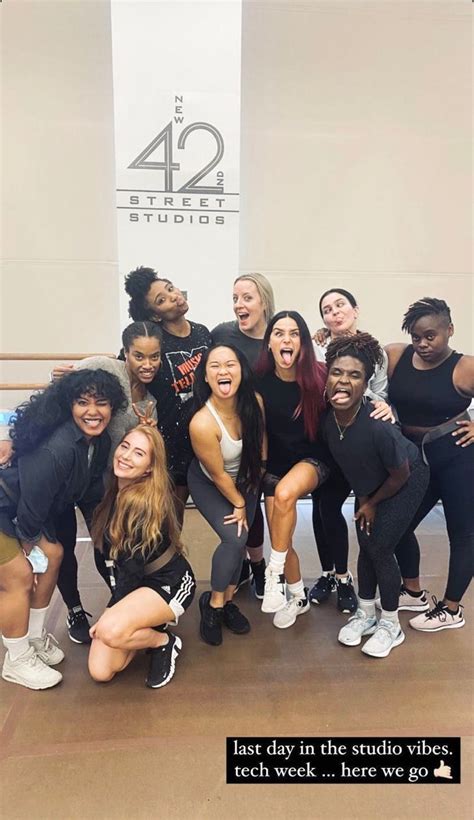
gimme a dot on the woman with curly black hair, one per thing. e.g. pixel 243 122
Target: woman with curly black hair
pixel 60 453
pixel 431 387
pixel 227 434
pixel 389 480
pixel 154 298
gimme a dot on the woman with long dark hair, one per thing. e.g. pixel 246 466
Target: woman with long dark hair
pixel 155 299
pixel 60 453
pixel 291 384
pixel 254 305
pixel 136 529
pixel 431 387
pixel 227 434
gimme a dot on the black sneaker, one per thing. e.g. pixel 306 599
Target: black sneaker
pixel 346 596
pixel 322 589
pixel 244 574
pixel 78 626
pixel 258 577
pixel 235 620
pixel 211 621
pixel 162 662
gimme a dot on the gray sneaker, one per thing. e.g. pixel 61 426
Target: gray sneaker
pixel 385 638
pixel 357 626
pixel 30 671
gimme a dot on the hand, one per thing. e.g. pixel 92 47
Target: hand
pixel 146 417
pixel 237 516
pixel 466 431
pixel 365 515
pixel 321 336
pixel 60 370
pixel 443 771
pixel 6 450
pixel 382 411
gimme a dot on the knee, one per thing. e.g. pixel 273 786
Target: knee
pixel 99 672
pixel 110 633
pixel 284 499
pixel 25 578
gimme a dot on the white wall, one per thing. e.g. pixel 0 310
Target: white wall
pixel 356 155
pixel 59 255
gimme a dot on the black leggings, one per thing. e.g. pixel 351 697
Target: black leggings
pixel 377 563
pixel 228 556
pixel 452 481
pixel 66 532
pixel 329 524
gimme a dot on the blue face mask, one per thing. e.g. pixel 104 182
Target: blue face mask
pixel 38 560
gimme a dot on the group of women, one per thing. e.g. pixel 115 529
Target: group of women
pixel 249 408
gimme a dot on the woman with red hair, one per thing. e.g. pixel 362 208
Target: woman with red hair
pixel 292 386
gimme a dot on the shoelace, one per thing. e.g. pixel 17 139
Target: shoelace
pixel 213 616
pixel 385 626
pixel 439 610
pixel 76 618
pixel 49 641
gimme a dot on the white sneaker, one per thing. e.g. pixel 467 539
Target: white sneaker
pixel 385 638
pixel 408 602
pixel 438 618
pixel 357 626
pixel 274 596
pixel 30 671
pixel 295 606
pixel 47 649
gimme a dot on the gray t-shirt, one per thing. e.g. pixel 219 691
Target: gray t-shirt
pixel 228 333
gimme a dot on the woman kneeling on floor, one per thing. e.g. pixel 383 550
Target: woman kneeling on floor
pixel 136 529
pixel 389 479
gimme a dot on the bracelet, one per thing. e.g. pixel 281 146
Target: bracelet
pixel 239 508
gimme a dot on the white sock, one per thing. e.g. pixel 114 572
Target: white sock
pixel 390 616
pixel 36 622
pixel 327 574
pixel 277 561
pixel 368 607
pixel 16 646
pixel 345 579
pixel 296 590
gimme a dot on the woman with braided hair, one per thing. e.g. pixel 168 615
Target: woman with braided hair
pixel 389 479
pixel 431 387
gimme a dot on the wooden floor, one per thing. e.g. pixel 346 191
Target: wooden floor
pixel 85 750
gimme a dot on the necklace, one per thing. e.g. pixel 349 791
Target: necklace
pixel 343 429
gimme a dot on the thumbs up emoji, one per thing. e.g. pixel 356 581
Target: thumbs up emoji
pixel 443 771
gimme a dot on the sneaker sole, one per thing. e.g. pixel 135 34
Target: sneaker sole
pixel 259 596
pixel 286 626
pixel 75 640
pixel 438 628
pixel 357 641
pixel 27 684
pixel 396 642
pixel 174 654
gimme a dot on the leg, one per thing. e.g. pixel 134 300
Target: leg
pixel 301 479
pixel 16 585
pixel 66 531
pixel 124 629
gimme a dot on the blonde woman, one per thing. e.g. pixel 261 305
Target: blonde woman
pixel 152 584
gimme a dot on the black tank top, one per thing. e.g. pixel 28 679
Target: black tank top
pixel 425 398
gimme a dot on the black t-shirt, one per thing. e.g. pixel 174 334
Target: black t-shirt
pixel 129 570
pixel 287 440
pixel 173 390
pixel 369 448
pixel 228 333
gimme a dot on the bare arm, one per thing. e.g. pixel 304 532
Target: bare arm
pixel 394 353
pixel 463 378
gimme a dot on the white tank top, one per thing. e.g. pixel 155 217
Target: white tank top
pixel 231 448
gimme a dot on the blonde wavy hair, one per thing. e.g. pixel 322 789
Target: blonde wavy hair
pixel 135 518
pixel 264 289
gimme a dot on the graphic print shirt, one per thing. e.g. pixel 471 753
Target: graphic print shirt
pixel 173 390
